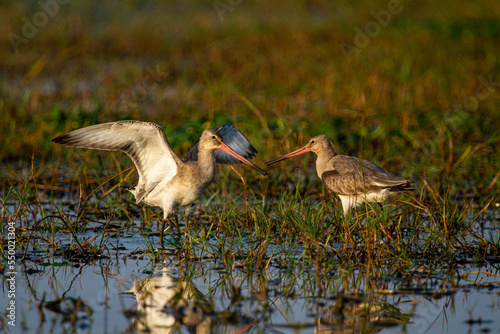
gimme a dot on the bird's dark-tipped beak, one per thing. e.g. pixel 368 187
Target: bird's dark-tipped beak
pixel 229 150
pixel 301 150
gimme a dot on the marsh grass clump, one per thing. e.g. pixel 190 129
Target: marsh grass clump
pixel 254 233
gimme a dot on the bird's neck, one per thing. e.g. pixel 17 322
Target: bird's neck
pixel 207 164
pixel 322 161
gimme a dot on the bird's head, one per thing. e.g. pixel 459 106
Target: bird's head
pixel 317 144
pixel 211 140
pixel 320 143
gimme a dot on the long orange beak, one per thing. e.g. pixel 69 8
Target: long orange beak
pixel 301 150
pixel 224 147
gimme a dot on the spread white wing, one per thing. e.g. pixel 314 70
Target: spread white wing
pixel 144 142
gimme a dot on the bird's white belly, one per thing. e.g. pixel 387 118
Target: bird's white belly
pixel 370 197
pixel 379 197
pixel 175 194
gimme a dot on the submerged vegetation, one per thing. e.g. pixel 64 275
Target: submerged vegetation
pixel 420 98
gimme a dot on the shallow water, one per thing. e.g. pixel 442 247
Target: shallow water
pixel 125 288
pixel 109 295
pixel 127 291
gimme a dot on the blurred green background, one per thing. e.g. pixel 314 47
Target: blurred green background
pixel 418 94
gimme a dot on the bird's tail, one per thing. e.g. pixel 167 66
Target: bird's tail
pixel 407 186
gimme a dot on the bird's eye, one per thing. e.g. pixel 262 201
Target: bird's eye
pixel 312 141
pixel 213 137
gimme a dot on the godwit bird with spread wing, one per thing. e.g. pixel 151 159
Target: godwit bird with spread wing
pixel 165 180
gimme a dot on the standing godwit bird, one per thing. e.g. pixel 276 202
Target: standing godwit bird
pixel 354 180
pixel 165 180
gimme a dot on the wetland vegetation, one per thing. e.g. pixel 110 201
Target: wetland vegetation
pixel 418 96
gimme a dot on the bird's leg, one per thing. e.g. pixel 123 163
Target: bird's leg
pixel 178 227
pixel 345 224
pixel 347 205
pixel 381 208
pixel 186 218
pixel 187 210
pixel 162 232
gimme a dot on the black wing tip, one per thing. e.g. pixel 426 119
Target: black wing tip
pixel 67 139
pixel 235 139
pixel 408 186
pixel 62 139
pixel 251 153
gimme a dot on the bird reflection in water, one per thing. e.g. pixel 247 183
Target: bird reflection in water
pixel 165 303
